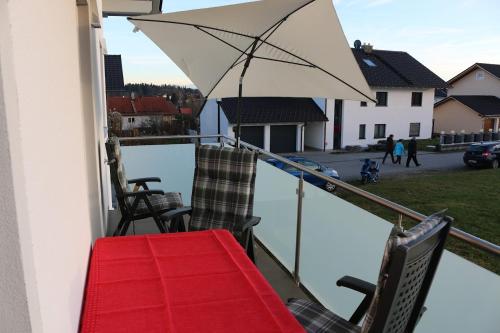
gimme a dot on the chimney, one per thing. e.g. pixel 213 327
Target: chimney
pixel 368 48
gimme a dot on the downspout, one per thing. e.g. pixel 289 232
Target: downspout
pixel 324 127
pixel 218 120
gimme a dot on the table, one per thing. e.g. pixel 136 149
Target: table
pixel 183 282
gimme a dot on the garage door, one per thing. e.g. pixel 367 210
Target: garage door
pixel 284 139
pixel 253 135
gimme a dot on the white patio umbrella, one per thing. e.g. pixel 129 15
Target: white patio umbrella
pixel 275 48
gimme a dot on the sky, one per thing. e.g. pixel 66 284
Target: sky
pixel 447 36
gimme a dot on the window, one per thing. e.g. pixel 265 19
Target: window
pixel 416 99
pixel 362 131
pixel 414 129
pixel 479 76
pixel 381 98
pixel 379 131
pixel 369 63
pixel 363 104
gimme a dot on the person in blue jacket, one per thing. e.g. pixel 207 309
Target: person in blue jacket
pixel 399 151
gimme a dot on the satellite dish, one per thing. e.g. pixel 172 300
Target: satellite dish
pixel 357 44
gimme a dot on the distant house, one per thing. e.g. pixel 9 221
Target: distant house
pixel 473 101
pixel 276 124
pixel 186 111
pixel 405 91
pixel 138 112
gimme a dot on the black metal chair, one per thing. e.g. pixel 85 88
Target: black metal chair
pixel 397 302
pixel 139 202
pixel 223 193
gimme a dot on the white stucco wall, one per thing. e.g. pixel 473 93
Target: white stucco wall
pixel 51 162
pixel 314 135
pixel 208 120
pixel 397 115
pixel 470 85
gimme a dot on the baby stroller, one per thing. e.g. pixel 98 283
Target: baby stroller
pixel 370 171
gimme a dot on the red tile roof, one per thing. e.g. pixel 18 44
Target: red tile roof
pixel 145 105
pixel 187 111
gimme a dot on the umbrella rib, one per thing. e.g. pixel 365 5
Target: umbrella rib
pixel 220 39
pixel 194 25
pixel 284 61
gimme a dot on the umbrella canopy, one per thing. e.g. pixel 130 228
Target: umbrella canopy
pixel 292 48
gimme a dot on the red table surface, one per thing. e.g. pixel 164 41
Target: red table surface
pixel 185 282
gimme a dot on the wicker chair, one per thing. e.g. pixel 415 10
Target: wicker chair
pixel 223 193
pixel 139 202
pixel 397 302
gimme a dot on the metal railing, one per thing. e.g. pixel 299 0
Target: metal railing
pixel 399 209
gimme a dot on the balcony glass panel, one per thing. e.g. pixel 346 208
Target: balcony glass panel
pixel 174 164
pixel 338 239
pixel 276 203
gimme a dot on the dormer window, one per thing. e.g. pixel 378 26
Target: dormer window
pixel 369 63
pixel 479 75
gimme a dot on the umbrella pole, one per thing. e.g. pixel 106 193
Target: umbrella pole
pixel 240 93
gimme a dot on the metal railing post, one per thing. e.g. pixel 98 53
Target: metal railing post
pixel 400 221
pixel 300 196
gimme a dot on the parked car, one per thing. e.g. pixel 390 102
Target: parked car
pixel 307 176
pixel 483 154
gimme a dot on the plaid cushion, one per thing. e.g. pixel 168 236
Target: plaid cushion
pixel 223 188
pixel 396 238
pixel 169 200
pixel 317 319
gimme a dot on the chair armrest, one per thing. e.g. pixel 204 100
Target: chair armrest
pixel 142 193
pixel 250 222
pixel 353 283
pixel 144 180
pixel 176 213
pixel 361 286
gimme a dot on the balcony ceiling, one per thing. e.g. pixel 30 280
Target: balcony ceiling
pixel 130 7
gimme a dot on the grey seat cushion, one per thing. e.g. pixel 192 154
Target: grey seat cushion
pixel 170 200
pixel 317 319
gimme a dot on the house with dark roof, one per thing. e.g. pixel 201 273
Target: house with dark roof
pixel 138 112
pixel 473 101
pixel 405 91
pixel 277 124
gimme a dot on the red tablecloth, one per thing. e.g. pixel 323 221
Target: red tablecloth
pixel 186 282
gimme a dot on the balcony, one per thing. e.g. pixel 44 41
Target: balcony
pixel 336 238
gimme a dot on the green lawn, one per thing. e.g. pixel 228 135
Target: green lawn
pixel 472 198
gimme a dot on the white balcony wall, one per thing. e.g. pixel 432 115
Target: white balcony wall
pixel 49 161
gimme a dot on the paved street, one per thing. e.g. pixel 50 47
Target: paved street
pixel 349 164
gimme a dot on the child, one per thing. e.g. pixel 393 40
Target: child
pixel 399 150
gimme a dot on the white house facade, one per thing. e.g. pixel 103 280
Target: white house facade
pixel 405 91
pixel 364 125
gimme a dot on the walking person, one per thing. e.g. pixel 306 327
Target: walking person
pixel 412 152
pixel 389 148
pixel 399 150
